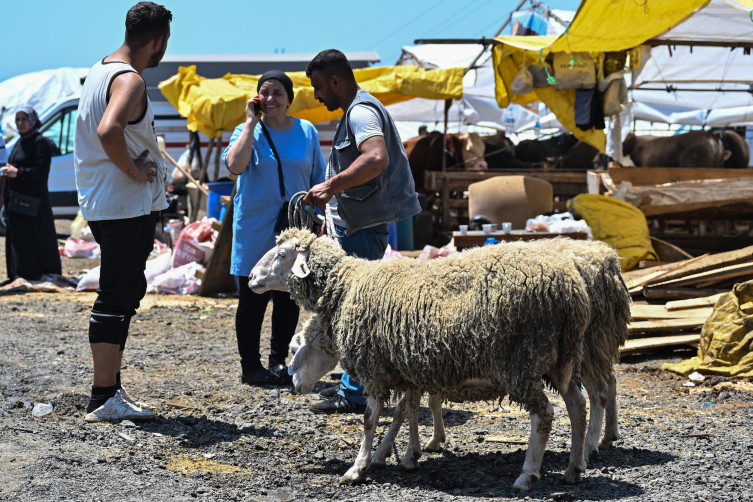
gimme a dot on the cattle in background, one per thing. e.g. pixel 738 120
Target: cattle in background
pixel 500 153
pixel 425 155
pixel 540 151
pixel 581 157
pixel 740 151
pixel 691 149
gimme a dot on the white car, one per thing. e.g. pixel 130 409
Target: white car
pixel 59 123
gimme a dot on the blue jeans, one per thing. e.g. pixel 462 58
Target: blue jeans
pixel 369 243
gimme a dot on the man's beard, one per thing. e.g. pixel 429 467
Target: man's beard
pixel 155 58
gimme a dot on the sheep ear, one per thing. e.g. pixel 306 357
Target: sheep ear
pixel 300 267
pixel 299 359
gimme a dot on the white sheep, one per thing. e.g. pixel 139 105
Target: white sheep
pixel 498 317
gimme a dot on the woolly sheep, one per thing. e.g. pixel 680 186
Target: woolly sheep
pixel 599 266
pixel 507 315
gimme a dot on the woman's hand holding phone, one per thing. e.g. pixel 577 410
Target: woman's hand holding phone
pixel 253 110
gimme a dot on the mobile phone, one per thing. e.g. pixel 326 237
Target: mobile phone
pixel 257 109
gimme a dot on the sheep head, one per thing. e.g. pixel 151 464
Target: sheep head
pixel 289 256
pixel 309 365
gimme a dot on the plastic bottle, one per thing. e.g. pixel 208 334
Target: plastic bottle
pixel 509 121
pixel 537 129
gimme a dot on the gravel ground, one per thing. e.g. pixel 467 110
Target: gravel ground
pixel 219 440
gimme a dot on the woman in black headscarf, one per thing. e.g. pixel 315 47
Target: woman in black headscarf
pixel 31 248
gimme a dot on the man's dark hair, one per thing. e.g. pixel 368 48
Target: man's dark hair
pixel 331 62
pixel 146 21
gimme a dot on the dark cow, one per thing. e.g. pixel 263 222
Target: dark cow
pixel 581 157
pixel 539 151
pixel 500 153
pixel 740 151
pixel 691 149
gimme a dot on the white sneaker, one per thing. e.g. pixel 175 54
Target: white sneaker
pixel 117 408
pixel 126 396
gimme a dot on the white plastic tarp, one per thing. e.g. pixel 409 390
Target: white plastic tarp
pixel 39 89
pixel 723 73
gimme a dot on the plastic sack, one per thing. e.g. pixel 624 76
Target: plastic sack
pixel 617 223
pixel 157 266
pixel 613 97
pixel 523 82
pixel 431 253
pixel 86 234
pixel 726 346
pixel 181 280
pixel 391 253
pixel 582 74
pixel 539 74
pixel 79 248
pixel 77 225
pixel 195 243
pixel 562 223
pixel 90 280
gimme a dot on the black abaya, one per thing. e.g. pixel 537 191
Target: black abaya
pixel 31 248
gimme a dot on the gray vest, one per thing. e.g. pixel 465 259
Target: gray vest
pixel 389 197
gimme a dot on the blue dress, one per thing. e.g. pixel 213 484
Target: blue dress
pixel 257 199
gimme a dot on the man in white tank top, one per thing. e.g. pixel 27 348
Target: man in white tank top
pixel 120 176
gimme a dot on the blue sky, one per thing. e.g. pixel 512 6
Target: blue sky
pixel 55 33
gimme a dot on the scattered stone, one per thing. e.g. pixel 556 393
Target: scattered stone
pixel 128 424
pixel 127 437
pixel 41 410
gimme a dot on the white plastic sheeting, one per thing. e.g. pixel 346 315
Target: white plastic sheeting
pixel 723 73
pixel 39 89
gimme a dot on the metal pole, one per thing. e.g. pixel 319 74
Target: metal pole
pixel 445 184
pixel 504 25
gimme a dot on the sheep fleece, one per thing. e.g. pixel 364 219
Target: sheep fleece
pixel 504 313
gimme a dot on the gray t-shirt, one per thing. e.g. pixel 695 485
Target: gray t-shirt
pixel 365 123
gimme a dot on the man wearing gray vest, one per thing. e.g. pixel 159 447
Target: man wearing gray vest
pixel 369 182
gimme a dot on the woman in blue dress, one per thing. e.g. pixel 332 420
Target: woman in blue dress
pixel 257 204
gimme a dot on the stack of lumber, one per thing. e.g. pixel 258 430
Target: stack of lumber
pixel 692 287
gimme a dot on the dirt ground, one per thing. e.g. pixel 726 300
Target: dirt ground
pixel 217 439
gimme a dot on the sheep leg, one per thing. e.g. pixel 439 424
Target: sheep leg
pixel 410 460
pixel 361 465
pixel 612 427
pixel 541 426
pixel 576 409
pixel 437 436
pixel 379 459
pixel 598 390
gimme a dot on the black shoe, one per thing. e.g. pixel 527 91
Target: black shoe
pixel 329 392
pixel 261 378
pixel 337 404
pixel 282 372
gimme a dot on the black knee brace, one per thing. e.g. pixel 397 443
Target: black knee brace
pixel 106 328
pixel 124 334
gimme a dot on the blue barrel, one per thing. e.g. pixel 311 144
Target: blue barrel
pixel 392 240
pixel 405 234
pixel 217 190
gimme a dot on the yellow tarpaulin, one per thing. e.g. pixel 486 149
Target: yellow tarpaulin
pixel 617 223
pixel 726 346
pixel 215 105
pixel 599 26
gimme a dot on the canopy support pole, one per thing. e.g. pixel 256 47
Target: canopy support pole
pixel 496 34
pixel 445 183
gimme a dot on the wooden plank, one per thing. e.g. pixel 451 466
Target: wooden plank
pixel 643 176
pixel 668 252
pixel 657 276
pixel 659 341
pixel 664 325
pixel 636 274
pixel 646 312
pixel 714 261
pixel 225 199
pixel 217 278
pixel 709 276
pixel 741 208
pixel 437 178
pixel 706 301
pixel 667 293
pixel 725 282
pixel 477 238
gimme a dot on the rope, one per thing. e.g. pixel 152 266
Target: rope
pixel 573 59
pixel 300 217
